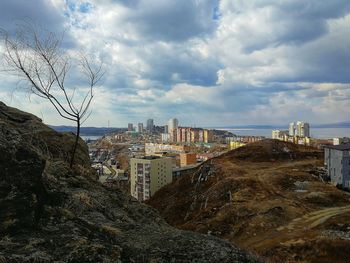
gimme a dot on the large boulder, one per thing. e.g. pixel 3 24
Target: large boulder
pixel 52 213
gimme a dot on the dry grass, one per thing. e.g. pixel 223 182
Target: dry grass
pixel 265 213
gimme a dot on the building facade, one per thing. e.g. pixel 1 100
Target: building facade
pixel 150 125
pixel 208 136
pixel 165 137
pixel 173 124
pixel 153 148
pixel 337 163
pixel 338 141
pixel 130 127
pixel 291 129
pixel 148 175
pixel 140 128
pixel 299 128
pixel 303 129
pixel 187 159
pixel 279 135
pixel 235 145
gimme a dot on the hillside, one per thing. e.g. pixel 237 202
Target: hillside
pixel 51 213
pixel 265 198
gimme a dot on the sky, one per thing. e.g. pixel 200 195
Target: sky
pixel 206 62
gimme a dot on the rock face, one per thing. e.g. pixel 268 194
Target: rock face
pixel 51 213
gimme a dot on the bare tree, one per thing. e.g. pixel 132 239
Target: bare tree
pixel 38 58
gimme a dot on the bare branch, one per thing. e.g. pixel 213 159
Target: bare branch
pixel 37 58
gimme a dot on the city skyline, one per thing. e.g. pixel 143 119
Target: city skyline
pixel 215 63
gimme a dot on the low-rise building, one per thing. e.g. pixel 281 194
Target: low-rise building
pixel 204 156
pixel 187 159
pixel 152 148
pixel 337 163
pixel 236 144
pixel 148 175
pixel 279 134
pixel 337 141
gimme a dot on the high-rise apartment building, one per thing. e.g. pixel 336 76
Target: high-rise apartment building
pixel 130 127
pixel 173 124
pixel 166 129
pixel 173 135
pixel 291 129
pixel 303 129
pixel 194 135
pixel 150 125
pixel 200 136
pixel 148 175
pixel 140 127
pixel 300 128
pixel 165 137
pixel 208 136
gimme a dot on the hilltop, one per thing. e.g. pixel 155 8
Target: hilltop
pixel 264 197
pixel 51 213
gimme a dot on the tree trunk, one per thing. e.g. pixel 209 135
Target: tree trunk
pixel 75 143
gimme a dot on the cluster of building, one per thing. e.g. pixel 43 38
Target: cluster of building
pixel 160 148
pixel 175 134
pixel 181 155
pixel 298 133
pixel 239 141
pixel 150 173
pixel 140 128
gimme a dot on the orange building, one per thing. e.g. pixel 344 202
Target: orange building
pixel 187 159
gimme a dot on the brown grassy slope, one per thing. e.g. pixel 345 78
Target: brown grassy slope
pixel 263 198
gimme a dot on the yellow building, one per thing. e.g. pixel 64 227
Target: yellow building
pixel 208 136
pixel 148 175
pixel 235 145
pixel 194 135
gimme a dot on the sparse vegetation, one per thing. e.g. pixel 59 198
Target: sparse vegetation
pixel 263 198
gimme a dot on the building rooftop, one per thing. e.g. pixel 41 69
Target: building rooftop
pixel 340 147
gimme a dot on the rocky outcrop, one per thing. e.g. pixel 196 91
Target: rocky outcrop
pixel 51 213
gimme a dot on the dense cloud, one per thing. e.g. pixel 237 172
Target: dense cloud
pixel 206 62
pixel 38 12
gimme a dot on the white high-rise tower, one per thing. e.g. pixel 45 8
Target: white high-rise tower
pixel 173 124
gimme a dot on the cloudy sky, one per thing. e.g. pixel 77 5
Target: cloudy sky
pixel 206 62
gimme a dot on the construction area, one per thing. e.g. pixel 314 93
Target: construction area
pixel 268 197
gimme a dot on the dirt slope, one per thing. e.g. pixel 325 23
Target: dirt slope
pixel 263 198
